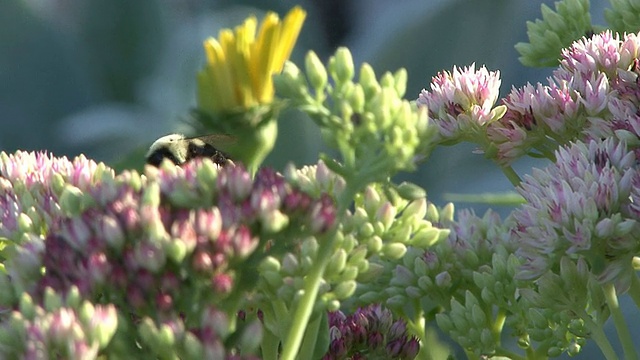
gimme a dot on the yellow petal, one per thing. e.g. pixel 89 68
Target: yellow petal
pixel 290 30
pixel 219 71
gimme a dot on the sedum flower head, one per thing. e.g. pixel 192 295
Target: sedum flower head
pixel 241 63
pixel 579 207
pixel 149 241
pixel 460 102
pixel 370 332
pixel 32 185
pixel 65 332
pixel 592 95
pixel 537 118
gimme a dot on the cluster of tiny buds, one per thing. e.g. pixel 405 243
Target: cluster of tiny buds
pixel 369 333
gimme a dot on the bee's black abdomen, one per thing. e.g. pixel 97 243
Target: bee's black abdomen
pixel 156 157
pixel 208 151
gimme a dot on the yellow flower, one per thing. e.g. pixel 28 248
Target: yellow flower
pixel 241 63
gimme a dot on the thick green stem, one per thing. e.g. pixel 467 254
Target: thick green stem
pixel 312 284
pixel 498 323
pixel 269 345
pixel 598 335
pixel 310 339
pixel 618 320
pixel 634 290
pixel 511 175
pixel 305 307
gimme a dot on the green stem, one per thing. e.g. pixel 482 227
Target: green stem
pixel 634 290
pixel 312 283
pixel 282 315
pixel 305 307
pixel 310 339
pixel 269 345
pixel 598 335
pixel 511 175
pixel 498 324
pixel 618 320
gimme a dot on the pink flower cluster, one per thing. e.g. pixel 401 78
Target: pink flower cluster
pixel 168 247
pixel 461 101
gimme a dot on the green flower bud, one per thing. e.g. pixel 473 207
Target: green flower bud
pixel 366 230
pixel 412 192
pixel 350 273
pixel 447 213
pixel 52 301
pixel 387 80
pixel 57 183
pixel 207 176
pixel 24 223
pixel 414 292
pixel 290 264
pixel 269 264
pixel 368 81
pixel 345 289
pixel 357 255
pixel 176 250
pixel 627 136
pixel 554 351
pixel 357 99
pixel 394 250
pixel 432 213
pixel 487 296
pixel 478 316
pixel 72 201
pixel 373 272
pixel 337 263
pixel 416 209
pixel 151 195
pixel 274 221
pixel 375 244
pixel 165 336
pixel 425 283
pixel 74 298
pixel 443 279
pixel 370 297
pixel 397 301
pixel 444 322
pixel 425 238
pixel 7 295
pixel 625 227
pixel 341 66
pixel 309 248
pixel 272 278
pixel 27 307
pixel 316 73
pixel 290 83
pixel 371 199
pixel 386 214
pixel 400 81
pixel 333 305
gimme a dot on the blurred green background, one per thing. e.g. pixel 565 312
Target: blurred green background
pixel 107 77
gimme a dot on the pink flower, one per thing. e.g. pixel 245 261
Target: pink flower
pixel 461 101
pixel 577 207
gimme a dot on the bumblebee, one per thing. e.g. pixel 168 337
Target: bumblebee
pixel 180 149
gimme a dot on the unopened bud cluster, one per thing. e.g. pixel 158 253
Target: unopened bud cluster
pixel 376 131
pixel 369 333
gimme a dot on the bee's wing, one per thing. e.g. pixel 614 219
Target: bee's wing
pixel 220 141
